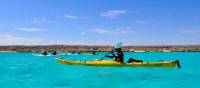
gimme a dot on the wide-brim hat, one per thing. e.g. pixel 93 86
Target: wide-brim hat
pixel 118 45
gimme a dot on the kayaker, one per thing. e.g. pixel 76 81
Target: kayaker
pixel 54 53
pixel 44 52
pixel 73 52
pixel 119 57
pixel 94 53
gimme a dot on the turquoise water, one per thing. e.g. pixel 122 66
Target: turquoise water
pixel 24 70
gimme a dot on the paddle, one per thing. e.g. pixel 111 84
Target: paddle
pixel 178 63
pixel 101 57
pixel 105 55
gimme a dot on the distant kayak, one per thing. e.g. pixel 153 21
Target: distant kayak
pixel 71 53
pixel 48 55
pixel 114 63
pixel 89 54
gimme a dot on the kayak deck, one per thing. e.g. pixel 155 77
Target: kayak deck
pixel 114 63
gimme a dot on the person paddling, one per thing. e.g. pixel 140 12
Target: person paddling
pixel 119 57
pixel 44 53
pixel 94 53
pixel 54 53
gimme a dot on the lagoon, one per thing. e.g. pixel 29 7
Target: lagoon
pixel 25 70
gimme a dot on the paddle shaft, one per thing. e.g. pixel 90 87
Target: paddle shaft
pixel 106 55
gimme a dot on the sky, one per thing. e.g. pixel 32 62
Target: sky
pixel 99 22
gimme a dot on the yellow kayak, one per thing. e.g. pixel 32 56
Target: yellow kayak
pixel 114 63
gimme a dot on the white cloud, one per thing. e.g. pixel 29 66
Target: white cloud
pixel 71 16
pixel 40 20
pixel 60 42
pixel 101 31
pixel 113 13
pixel 6 39
pixel 125 31
pixel 113 32
pixel 29 29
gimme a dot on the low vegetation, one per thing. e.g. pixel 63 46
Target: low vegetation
pixel 84 48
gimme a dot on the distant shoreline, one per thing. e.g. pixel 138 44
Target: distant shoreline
pixel 7 51
pixel 106 48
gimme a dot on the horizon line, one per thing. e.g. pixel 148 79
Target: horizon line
pixel 105 45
